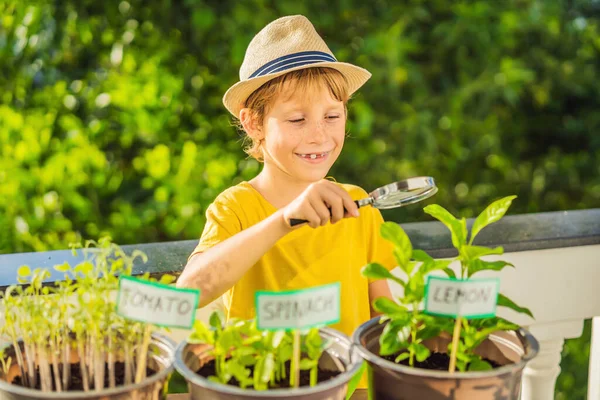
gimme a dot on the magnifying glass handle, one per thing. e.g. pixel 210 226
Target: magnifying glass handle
pixel 294 221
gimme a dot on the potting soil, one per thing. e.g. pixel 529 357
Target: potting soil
pixel 76 380
pixel 208 369
pixel 436 361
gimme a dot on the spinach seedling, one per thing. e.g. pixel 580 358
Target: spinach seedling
pixel 255 358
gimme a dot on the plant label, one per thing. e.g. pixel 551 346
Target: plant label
pixel 471 298
pixel 298 309
pixel 156 303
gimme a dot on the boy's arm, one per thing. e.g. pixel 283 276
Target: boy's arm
pixel 217 269
pixel 378 289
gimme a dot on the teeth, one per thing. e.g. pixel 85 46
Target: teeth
pixel 313 156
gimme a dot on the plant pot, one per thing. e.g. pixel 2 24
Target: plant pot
pixel 340 356
pixel 388 380
pixel 151 388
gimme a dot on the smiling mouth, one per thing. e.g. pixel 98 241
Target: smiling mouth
pixel 313 156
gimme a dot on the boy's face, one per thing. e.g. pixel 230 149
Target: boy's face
pixel 304 132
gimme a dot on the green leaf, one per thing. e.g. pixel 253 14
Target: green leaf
pixel 277 338
pixel 139 254
pixel 457 227
pixel 494 212
pixel 313 338
pixel 401 357
pixel 255 339
pixel 201 334
pixel 167 279
pixel 378 271
pixel 504 301
pixel 85 268
pixel 267 368
pixel 410 266
pixel 420 255
pixel 450 273
pixel 244 351
pixel 305 363
pixel 355 380
pixel 473 252
pixel 215 320
pixel 228 339
pixel 475 266
pixel 62 267
pixel 247 360
pixel 421 352
pixel 394 337
pixel 239 371
pixel 415 289
pixel 428 331
pixel 394 233
pixel 436 265
pixel 314 344
pixel 24 271
pixel 285 353
pixel 477 364
pixel 388 306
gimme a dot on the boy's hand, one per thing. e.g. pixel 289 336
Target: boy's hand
pixel 321 202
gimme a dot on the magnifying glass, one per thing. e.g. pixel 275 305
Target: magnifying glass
pixel 397 194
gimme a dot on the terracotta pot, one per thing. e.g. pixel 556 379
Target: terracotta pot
pixel 160 359
pixel 388 380
pixel 340 356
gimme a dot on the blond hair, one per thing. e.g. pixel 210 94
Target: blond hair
pixel 263 98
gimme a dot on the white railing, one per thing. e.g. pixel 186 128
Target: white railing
pixel 562 289
pixel 561 286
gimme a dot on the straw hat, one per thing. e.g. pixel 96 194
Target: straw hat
pixel 286 44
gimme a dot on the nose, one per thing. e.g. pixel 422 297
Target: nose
pixel 317 133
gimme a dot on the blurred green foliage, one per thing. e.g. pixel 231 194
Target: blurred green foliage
pixel 573 379
pixel 111 119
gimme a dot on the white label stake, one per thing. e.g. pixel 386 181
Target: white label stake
pixel 298 309
pixel 471 299
pixel 156 303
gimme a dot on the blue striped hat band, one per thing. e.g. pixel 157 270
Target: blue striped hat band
pixel 291 61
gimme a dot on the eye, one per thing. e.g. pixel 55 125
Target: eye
pixel 296 121
pixel 332 117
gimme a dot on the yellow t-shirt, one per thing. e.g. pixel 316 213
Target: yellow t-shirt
pixel 303 258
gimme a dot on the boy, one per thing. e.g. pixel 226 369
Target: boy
pixel 291 102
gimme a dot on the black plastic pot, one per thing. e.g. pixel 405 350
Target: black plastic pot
pixel 388 380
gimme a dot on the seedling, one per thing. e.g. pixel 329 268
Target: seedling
pixel 77 315
pixel 255 358
pixel 408 324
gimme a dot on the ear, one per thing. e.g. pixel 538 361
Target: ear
pixel 250 123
